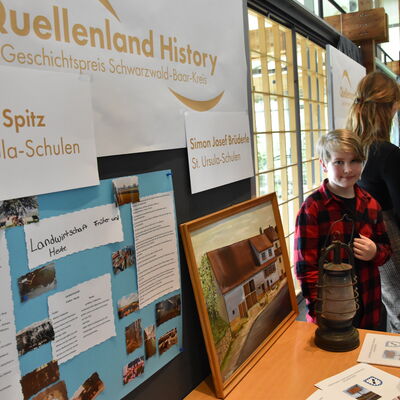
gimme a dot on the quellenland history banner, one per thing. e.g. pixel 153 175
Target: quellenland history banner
pixel 146 70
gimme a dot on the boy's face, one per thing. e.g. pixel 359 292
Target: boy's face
pixel 343 170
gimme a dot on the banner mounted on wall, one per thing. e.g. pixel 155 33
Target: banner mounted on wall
pixel 146 69
pixel 343 77
pixel 46 133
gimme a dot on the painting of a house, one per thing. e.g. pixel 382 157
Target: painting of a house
pixel 247 277
pixel 241 272
pixel 244 272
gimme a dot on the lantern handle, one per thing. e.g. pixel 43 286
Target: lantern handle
pixel 336 245
pixel 350 219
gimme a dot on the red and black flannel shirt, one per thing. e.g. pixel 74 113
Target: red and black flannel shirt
pixel 313 231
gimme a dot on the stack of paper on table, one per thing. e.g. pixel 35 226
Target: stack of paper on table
pixel 363 381
pixel 380 349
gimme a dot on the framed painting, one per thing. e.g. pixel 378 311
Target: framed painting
pixel 241 278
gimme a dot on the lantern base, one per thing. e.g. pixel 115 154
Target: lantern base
pixel 337 340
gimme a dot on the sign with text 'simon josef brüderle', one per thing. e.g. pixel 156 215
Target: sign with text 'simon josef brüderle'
pixel 219 149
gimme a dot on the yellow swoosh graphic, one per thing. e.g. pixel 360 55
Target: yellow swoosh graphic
pixel 109 7
pixel 198 105
pixel 346 75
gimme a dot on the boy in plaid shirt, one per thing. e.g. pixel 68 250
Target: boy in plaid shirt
pixel 341 210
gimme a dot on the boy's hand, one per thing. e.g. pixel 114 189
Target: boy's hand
pixel 364 248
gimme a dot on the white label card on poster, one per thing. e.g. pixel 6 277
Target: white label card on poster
pixel 219 149
pixel 46 133
pixel 146 69
pixel 56 237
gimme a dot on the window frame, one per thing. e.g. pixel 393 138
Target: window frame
pixel 299 20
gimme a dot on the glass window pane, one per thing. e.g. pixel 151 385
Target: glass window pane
pixel 274 113
pixel 266 183
pixel 293 183
pixel 261 144
pixel 272 75
pixel 259 112
pixel 278 184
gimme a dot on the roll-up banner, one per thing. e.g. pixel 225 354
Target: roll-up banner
pixel 344 75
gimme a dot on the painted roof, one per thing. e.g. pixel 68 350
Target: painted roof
pixel 271 233
pixel 260 243
pixel 234 264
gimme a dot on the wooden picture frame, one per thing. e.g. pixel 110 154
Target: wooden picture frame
pixel 241 279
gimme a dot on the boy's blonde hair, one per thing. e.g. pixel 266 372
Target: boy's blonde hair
pixel 340 140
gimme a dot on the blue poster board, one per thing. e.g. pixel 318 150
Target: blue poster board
pixel 110 357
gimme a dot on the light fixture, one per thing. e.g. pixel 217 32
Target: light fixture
pixel 337 300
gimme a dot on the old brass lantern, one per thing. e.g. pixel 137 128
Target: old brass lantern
pixel 337 300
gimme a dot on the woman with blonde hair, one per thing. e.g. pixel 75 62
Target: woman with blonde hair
pixel 377 101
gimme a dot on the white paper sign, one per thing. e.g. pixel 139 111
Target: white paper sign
pixel 46 133
pixel 57 237
pixel 381 349
pixel 82 317
pixel 149 60
pixel 219 149
pixel 156 247
pixel 345 73
pixel 10 388
pixel 360 381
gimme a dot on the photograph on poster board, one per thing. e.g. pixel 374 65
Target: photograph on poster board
pixel 150 341
pixel 39 378
pixel 57 391
pixel 123 259
pixel 34 336
pixel 243 287
pixel 134 369
pixel 128 304
pixel 133 336
pixel 168 309
pixel 17 212
pixel 166 341
pixel 37 282
pixel 90 389
pixel 126 190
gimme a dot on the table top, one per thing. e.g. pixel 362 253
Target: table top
pixel 290 368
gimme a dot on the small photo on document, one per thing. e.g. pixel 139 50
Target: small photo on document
pixel 126 190
pixel 18 212
pixel 37 282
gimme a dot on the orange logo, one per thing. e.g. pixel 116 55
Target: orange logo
pixel 198 105
pixel 346 75
pixel 109 7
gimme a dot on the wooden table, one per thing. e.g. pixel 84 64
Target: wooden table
pixel 289 369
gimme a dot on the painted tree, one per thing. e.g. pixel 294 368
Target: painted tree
pixel 208 285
